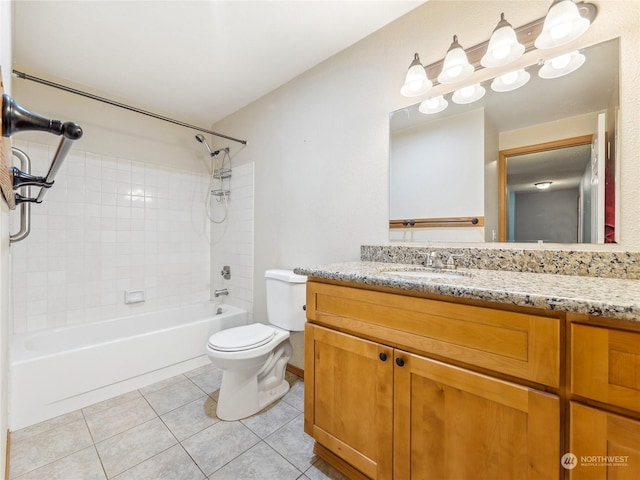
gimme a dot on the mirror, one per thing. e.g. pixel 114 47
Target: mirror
pixel 445 165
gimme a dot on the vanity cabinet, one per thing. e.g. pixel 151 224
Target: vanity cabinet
pixel 402 387
pixel 604 414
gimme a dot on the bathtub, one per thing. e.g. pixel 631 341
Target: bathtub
pixel 60 370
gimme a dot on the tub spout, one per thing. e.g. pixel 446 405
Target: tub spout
pixel 220 291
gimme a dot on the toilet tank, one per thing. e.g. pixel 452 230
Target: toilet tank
pixel 286 298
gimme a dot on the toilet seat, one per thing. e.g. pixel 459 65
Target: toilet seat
pixel 238 339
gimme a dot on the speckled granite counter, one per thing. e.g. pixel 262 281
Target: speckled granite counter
pixel 607 297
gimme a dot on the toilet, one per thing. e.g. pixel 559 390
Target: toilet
pixel 253 357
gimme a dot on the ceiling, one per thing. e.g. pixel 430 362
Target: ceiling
pixel 195 61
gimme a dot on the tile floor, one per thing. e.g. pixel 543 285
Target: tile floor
pixel 169 430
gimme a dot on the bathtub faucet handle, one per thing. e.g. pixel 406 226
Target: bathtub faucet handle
pixel 220 291
pixel 226 272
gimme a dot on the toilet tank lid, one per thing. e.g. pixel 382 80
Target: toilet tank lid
pixel 285 276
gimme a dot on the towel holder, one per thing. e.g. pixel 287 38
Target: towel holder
pixel 17 119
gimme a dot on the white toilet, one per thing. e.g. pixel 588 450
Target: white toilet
pixel 254 357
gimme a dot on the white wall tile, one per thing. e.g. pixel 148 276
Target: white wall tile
pixel 102 229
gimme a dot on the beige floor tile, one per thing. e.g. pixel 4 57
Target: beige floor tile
pixel 171 464
pixel 267 421
pixel 295 395
pixel 258 463
pixel 173 396
pixel 217 445
pixel 82 465
pixel 191 418
pixel 293 444
pixel 127 449
pixel 46 425
pixel 48 446
pixel 209 380
pixel 105 423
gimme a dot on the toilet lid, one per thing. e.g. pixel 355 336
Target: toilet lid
pixel 241 338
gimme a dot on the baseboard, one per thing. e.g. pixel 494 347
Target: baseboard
pixel 295 370
pixel 8 456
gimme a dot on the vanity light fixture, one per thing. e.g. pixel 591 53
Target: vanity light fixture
pixel 468 94
pixel 456 66
pixel 503 47
pixel 416 82
pixel 510 81
pixel 565 21
pixel 433 105
pixel 561 65
pixel 542 185
pixel 562 25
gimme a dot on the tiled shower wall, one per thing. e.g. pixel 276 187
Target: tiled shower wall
pixel 232 241
pixel 109 225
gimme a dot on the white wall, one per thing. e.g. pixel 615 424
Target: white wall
pixel 320 143
pixel 5 331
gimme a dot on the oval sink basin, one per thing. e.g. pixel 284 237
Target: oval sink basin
pixel 423 274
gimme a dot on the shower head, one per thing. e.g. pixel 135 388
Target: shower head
pixel 201 139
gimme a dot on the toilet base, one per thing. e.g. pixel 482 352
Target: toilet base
pixel 247 391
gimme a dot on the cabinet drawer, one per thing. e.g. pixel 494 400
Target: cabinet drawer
pixel 605 365
pixel 518 344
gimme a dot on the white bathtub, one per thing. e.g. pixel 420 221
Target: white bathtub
pixel 60 370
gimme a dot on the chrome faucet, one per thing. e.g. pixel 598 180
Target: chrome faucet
pixel 433 260
pixel 220 291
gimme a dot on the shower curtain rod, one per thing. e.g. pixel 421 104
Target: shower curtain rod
pixel 48 83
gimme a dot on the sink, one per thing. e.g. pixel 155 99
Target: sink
pixel 425 274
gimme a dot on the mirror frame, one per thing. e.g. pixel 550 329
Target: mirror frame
pixel 514 152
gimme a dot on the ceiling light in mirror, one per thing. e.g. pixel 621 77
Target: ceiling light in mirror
pixel 561 65
pixel 503 47
pixel 433 105
pixel 416 82
pixel 456 66
pixel 510 81
pixel 542 185
pixel 562 25
pixel 468 94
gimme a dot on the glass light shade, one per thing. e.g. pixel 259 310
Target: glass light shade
pixel 468 94
pixel 456 66
pixel 503 47
pixel 416 82
pixel 561 65
pixel 510 81
pixel 542 185
pixel 562 24
pixel 433 105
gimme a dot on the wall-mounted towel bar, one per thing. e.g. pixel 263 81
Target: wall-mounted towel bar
pixel 17 119
pixel 438 222
pixel 25 207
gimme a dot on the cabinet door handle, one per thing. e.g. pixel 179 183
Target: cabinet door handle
pixel 400 362
pixel 382 356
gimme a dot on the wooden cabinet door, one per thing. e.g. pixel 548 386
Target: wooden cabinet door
pixel 605 365
pixel 348 399
pixel 604 445
pixel 452 424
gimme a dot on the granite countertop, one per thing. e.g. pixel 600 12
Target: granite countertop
pixel 606 297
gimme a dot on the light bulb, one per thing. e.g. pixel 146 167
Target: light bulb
pixel 561 61
pixel 509 78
